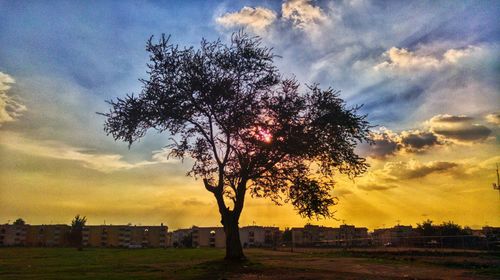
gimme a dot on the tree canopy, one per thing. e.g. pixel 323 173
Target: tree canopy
pixel 19 222
pixel 426 228
pixel 247 128
pixel 76 231
pixel 230 110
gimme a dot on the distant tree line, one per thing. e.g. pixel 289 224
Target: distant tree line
pixel 449 228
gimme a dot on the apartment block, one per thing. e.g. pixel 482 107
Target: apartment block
pixel 349 235
pixel 125 236
pixel 259 236
pixel 396 236
pixel 47 235
pixel 311 235
pixel 149 236
pixel 34 235
pixel 208 237
pixel 13 235
pixel 345 235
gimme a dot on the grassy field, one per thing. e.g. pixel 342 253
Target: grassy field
pixel 68 263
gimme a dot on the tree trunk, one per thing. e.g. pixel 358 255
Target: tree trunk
pixel 230 218
pixel 234 251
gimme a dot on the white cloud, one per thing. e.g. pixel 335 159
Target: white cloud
pixel 302 13
pixel 10 108
pixel 5 81
pixel 400 58
pixel 493 118
pixel 87 158
pixel 257 19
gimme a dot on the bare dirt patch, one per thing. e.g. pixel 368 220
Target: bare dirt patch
pixel 288 265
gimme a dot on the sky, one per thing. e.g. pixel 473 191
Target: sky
pixel 426 72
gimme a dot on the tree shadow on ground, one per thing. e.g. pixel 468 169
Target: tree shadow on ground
pixel 221 269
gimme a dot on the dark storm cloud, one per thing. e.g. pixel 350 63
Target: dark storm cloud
pixel 387 143
pixel 417 141
pixel 465 133
pixel 451 119
pixel 383 148
pixel 459 128
pixel 437 131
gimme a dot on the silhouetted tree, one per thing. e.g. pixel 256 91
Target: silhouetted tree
pixel 445 229
pixel 450 233
pixel 19 222
pixel 426 228
pixel 187 241
pixel 76 231
pixel 246 128
pixel 450 228
pixel 287 235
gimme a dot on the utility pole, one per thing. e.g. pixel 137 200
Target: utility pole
pixel 496 186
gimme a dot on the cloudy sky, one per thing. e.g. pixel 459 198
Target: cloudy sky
pixel 427 73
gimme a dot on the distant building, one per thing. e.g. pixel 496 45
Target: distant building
pixel 13 235
pixel 149 236
pixel 310 235
pixel 258 236
pixel 34 235
pixel 345 235
pixel 353 236
pixel 47 235
pixel 208 237
pixel 396 236
pixel 125 236
pixel 250 236
pixel 106 236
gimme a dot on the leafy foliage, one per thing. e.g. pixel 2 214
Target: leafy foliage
pixel 445 229
pixel 19 222
pixel 76 231
pixel 246 127
pixel 187 241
